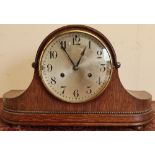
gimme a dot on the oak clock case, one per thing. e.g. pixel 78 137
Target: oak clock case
pixel 76 83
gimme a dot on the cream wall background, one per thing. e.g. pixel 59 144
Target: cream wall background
pixel 134 46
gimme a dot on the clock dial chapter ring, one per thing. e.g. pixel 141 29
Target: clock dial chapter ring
pixel 79 74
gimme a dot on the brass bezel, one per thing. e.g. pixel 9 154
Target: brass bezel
pixel 76 30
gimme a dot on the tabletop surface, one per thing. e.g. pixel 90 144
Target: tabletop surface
pixel 8 127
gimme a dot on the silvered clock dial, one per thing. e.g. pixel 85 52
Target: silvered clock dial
pixel 75 66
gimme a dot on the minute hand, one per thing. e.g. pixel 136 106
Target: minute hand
pixel 68 56
pixel 82 54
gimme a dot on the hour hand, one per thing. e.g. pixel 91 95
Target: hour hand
pixel 82 54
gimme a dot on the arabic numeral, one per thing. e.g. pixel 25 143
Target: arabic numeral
pixel 99 54
pixel 103 68
pixel 63 89
pixel 89 90
pixel 63 44
pixel 53 80
pixel 76 40
pixel 49 67
pixel 53 54
pixel 76 93
pixel 99 81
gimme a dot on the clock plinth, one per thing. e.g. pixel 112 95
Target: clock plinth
pixel 115 106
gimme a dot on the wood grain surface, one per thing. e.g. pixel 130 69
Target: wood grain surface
pixel 8 127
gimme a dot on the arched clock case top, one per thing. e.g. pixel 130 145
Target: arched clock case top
pixel 115 106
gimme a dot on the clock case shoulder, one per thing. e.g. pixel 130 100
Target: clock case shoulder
pixel 116 106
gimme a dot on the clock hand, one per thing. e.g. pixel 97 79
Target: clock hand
pixel 82 54
pixel 68 57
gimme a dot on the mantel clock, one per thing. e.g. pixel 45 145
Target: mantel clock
pixel 76 83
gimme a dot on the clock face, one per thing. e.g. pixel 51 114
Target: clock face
pixel 75 66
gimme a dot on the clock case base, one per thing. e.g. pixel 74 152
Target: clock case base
pixel 116 106
pixel 76 119
pixel 39 108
